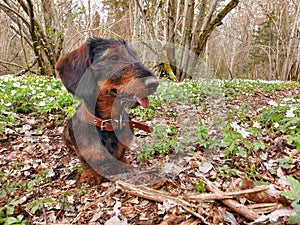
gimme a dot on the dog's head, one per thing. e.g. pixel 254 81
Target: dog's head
pixel 106 70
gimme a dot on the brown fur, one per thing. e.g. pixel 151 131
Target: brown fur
pixel 108 78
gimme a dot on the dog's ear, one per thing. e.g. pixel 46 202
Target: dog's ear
pixel 73 69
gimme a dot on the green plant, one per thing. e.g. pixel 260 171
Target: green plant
pixel 7 213
pixel 38 203
pixel 252 172
pixel 163 140
pixel 203 136
pixel 234 144
pixel 225 171
pixel 287 120
pixel 36 95
pixel 294 196
pixel 285 163
pixel 67 199
pixel 10 185
pixel 200 188
pixel 36 180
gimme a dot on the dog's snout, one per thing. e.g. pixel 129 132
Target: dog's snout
pixel 151 84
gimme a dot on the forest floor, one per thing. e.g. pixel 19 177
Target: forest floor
pixel 239 180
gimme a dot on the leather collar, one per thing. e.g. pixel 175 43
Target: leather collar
pixel 112 124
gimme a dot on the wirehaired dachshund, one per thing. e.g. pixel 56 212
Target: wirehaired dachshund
pixel 109 79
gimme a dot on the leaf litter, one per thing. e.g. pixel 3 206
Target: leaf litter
pixel 43 150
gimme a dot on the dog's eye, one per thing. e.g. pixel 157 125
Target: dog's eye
pixel 114 58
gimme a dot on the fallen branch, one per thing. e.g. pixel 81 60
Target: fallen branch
pixel 150 193
pixel 161 196
pixel 232 204
pixel 185 200
pixel 158 196
pixel 226 195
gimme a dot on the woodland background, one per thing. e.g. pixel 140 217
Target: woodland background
pixel 253 39
pixel 219 137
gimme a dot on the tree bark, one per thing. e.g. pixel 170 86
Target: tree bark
pixel 187 26
pixel 202 40
pixel 45 41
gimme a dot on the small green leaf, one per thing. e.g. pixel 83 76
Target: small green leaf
pixel 295 219
pixel 200 187
pixel 9 210
pixel 295 194
pixel 16 202
pixel 11 220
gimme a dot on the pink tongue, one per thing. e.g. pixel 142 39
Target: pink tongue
pixel 144 102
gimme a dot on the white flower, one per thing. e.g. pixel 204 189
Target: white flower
pixel 293 127
pixel 16 84
pixel 51 99
pixel 235 126
pixel 276 125
pixel 290 113
pixel 272 103
pixel 8 104
pixel 42 104
pixel 256 124
pixel 13 92
pixel 70 199
pixel 288 99
pixel 243 132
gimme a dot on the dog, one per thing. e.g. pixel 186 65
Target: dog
pixel 109 79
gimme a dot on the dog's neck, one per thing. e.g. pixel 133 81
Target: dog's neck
pixel 107 107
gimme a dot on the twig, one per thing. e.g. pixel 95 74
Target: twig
pixel 45 216
pixel 223 195
pixel 232 204
pixel 27 69
pixel 195 214
pixel 149 193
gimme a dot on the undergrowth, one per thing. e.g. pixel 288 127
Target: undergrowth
pixel 239 134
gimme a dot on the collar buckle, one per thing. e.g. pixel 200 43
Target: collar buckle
pixel 103 122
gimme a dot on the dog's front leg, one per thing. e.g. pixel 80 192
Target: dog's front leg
pixel 120 153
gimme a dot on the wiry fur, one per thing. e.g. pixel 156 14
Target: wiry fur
pixel 106 75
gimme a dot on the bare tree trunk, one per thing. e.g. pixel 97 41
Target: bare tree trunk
pixel 96 25
pixel 170 33
pixel 286 70
pixel 202 40
pixel 297 65
pixel 232 56
pixel 187 26
pixel 33 33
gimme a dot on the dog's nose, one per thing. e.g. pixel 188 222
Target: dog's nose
pixel 151 84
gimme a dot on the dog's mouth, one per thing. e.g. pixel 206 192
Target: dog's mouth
pixel 131 99
pixel 143 101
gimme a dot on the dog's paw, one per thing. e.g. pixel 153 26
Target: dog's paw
pixel 90 177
